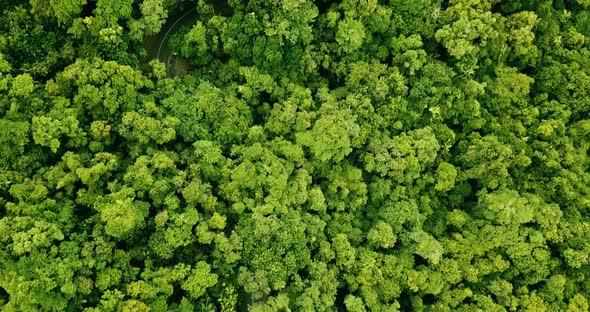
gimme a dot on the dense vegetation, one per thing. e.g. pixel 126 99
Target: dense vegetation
pixel 359 155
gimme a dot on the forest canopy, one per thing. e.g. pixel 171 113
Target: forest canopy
pixel 295 155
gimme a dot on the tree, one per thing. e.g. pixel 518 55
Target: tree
pixel 314 155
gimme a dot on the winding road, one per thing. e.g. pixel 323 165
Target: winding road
pixel 157 45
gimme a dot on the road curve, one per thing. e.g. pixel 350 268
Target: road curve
pixel 157 45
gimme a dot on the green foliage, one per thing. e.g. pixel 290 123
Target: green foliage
pixel 356 155
pixel 153 17
pixel 22 85
pixel 122 216
pixel 332 135
pixel 350 35
pixel 65 10
pixel 199 280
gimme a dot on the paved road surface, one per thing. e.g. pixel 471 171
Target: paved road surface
pixel 157 46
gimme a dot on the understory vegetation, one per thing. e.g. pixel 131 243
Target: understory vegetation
pixel 354 155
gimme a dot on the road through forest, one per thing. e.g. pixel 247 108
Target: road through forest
pixel 157 45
